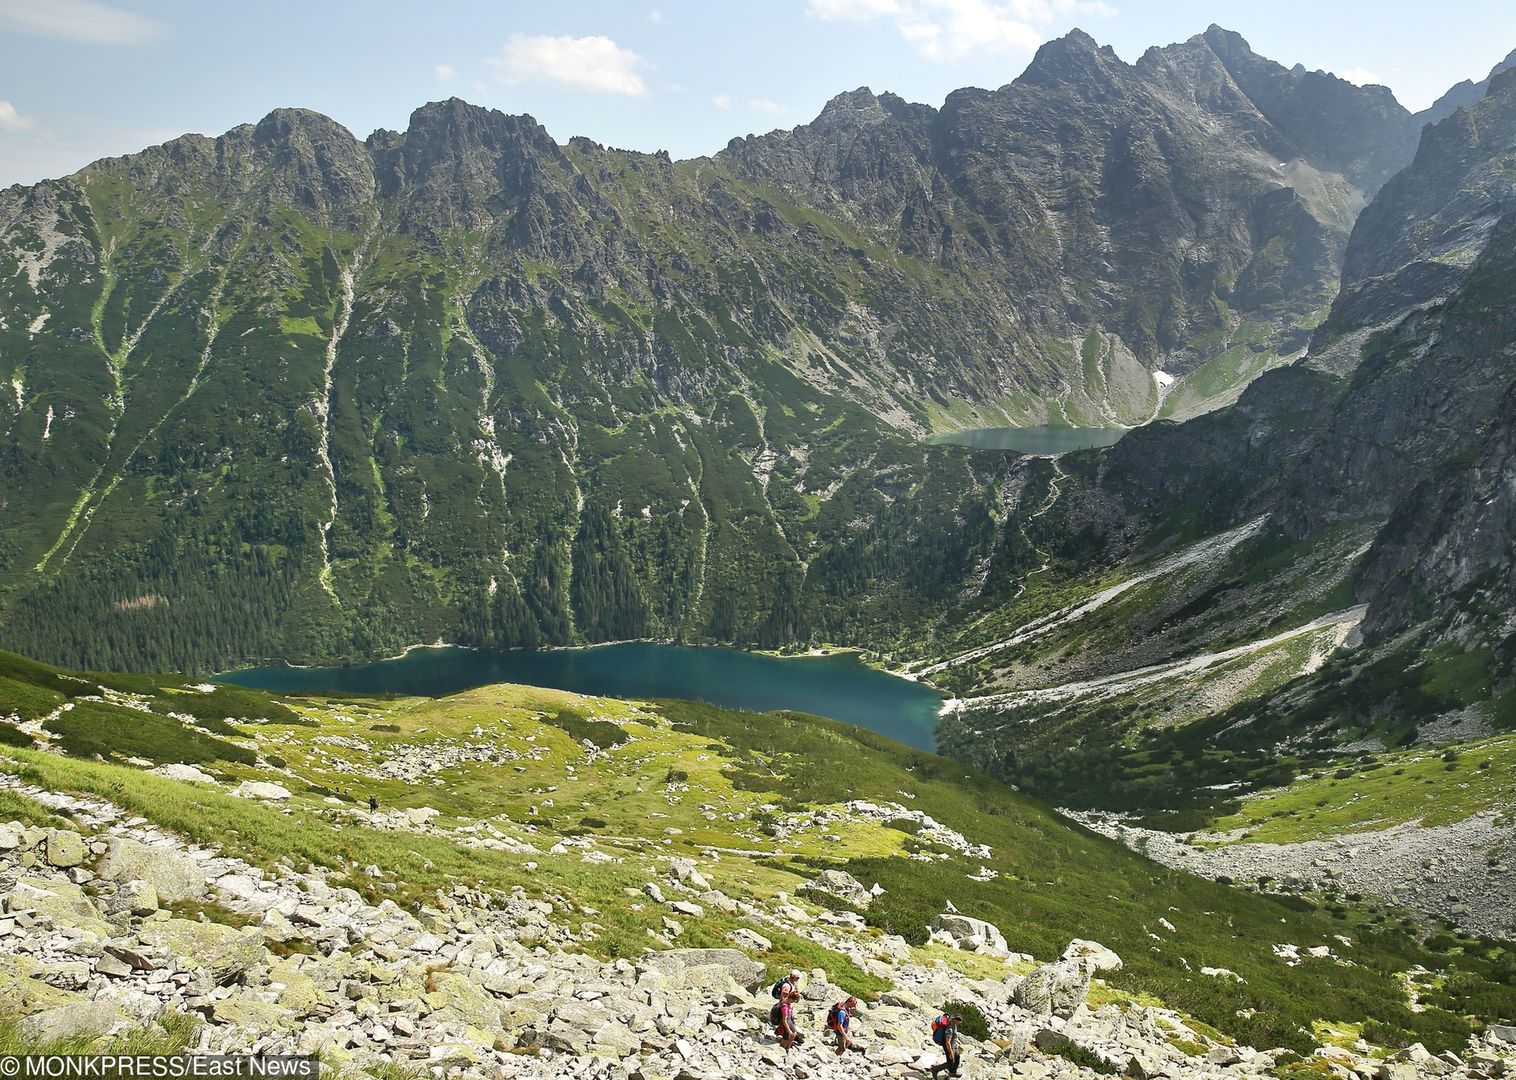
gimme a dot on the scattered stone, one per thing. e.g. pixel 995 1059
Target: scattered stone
pixel 65 848
pixel 750 939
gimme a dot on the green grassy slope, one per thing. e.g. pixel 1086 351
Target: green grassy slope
pixel 759 801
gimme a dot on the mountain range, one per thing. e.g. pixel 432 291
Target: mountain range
pixel 288 393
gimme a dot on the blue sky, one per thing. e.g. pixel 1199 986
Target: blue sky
pixel 82 79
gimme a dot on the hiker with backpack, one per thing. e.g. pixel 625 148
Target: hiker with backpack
pixel 782 1016
pixel 839 1020
pixel 945 1035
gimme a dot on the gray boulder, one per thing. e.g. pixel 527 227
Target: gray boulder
pixel 694 968
pixel 1095 954
pixel 65 848
pixel 220 951
pixel 844 886
pixel 172 876
pixel 259 789
pixel 82 1019
pixel 971 935
pixel 1055 989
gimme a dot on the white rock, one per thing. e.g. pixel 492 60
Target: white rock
pixel 179 771
pixel 258 789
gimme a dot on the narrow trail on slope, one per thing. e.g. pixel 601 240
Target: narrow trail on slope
pixel 1213 547
pixel 1343 622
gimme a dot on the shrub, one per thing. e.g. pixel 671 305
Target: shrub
pixel 974 1025
pixel 1085 1059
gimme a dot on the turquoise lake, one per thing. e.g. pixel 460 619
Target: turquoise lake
pixel 841 686
pixel 1030 440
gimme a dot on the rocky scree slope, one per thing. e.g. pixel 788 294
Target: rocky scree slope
pixel 463 382
pixel 553 881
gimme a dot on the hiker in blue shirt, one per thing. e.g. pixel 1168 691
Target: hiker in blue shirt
pixel 838 1020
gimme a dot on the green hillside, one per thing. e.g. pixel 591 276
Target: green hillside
pixel 760 803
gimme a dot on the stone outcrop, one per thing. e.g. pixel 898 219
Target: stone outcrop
pixel 972 935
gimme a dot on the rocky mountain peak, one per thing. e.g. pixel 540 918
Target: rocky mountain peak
pixel 317 163
pixel 1227 44
pixel 289 125
pixel 1071 58
pixel 1465 93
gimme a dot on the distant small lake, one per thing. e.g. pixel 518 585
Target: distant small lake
pixel 1030 440
pixel 840 686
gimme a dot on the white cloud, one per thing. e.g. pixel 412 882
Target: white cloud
pixel 1360 76
pixel 585 63
pixel 722 101
pixel 854 9
pixel 948 30
pixel 445 72
pixel 80 20
pixel 655 16
pixel 11 120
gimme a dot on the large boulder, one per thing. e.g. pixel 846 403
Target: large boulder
pixel 1095 954
pixel 1055 989
pixel 172 876
pixel 458 997
pixel 694 969
pixel 586 1028
pixel 61 901
pixel 844 886
pixel 258 789
pixel 82 1019
pixel 971 935
pixel 221 951
pixel 178 770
